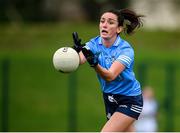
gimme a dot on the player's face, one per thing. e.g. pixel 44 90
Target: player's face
pixel 109 26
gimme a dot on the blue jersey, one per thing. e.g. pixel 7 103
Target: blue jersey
pixel 125 83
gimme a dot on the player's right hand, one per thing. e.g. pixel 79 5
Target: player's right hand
pixel 77 42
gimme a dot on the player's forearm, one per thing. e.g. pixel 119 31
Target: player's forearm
pixel 104 73
pixel 82 58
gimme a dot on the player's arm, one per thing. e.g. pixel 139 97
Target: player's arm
pixel 82 58
pixel 78 47
pixel 124 60
pixel 107 74
pixel 111 73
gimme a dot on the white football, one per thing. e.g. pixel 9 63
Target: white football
pixel 66 60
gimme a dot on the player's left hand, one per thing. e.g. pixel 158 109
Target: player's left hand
pixel 90 57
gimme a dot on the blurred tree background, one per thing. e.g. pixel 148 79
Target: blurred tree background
pixel 55 10
pixel 35 97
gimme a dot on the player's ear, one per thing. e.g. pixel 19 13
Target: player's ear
pixel 119 29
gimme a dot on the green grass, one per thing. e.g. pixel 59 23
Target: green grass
pixel 38 98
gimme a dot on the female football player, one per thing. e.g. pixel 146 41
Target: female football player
pixel 112 58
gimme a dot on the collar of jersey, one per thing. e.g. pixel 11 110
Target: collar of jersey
pixel 116 43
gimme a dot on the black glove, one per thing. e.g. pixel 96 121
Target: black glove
pixel 90 57
pixel 77 42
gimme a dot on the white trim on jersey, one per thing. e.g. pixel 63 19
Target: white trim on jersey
pixel 125 59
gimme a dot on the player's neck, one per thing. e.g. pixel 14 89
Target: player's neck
pixel 108 42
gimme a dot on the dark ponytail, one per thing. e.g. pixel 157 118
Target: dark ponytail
pixel 128 19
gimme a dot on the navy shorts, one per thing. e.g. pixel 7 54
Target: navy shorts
pixel 128 105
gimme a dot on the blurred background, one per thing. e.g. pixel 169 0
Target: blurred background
pixel 35 97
